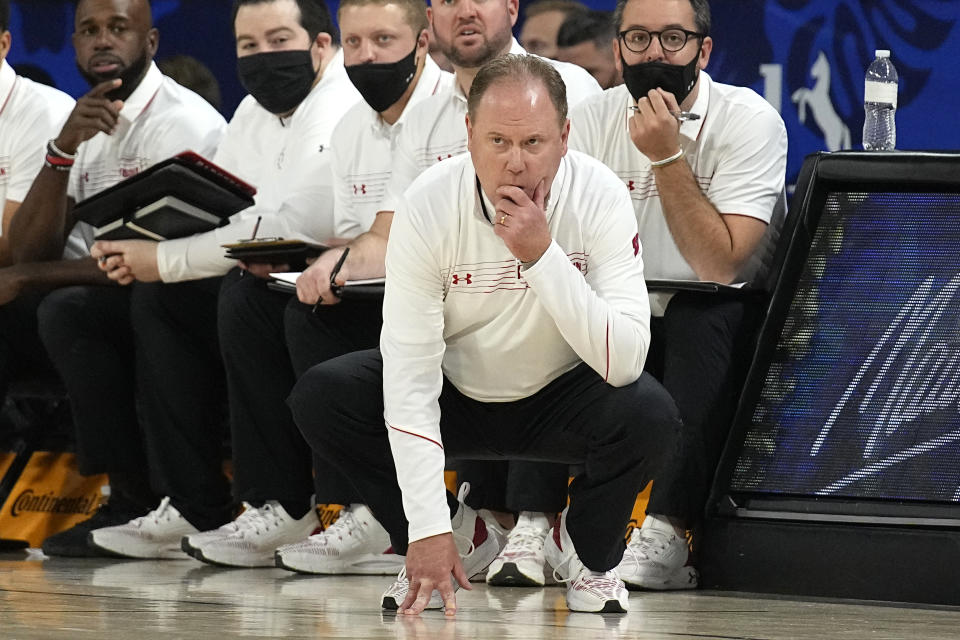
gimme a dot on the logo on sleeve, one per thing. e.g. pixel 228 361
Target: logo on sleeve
pixel 636 244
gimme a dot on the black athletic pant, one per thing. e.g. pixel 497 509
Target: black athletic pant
pixel 22 355
pixel 88 335
pixel 700 350
pixel 267 340
pixel 622 436
pixel 182 387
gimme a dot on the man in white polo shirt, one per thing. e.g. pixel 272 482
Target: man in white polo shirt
pixel 132 118
pixel 289 59
pixel 470 33
pixel 30 114
pixel 709 199
pixel 385 52
pixel 515 326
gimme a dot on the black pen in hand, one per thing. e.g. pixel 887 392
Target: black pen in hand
pixel 334 287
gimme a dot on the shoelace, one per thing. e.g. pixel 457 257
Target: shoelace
pixel 258 519
pixel 525 538
pixel 640 546
pixel 609 580
pixel 163 511
pixel 344 527
pixel 235 525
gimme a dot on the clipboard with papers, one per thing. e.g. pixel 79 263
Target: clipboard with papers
pixel 177 197
pixel 367 289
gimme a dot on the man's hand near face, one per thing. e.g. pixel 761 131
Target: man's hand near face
pixel 521 222
pixel 93 113
pixel 430 564
pixel 655 131
pixel 127 260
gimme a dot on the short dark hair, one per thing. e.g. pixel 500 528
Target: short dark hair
pixel 520 68
pixel 591 26
pixel 415 11
pixel 701 15
pixel 194 75
pixel 543 6
pixel 4 15
pixel 314 17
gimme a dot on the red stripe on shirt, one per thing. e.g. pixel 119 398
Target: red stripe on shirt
pixel 607 374
pixel 410 433
pixel 10 95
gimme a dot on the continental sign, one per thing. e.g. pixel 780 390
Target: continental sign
pixel 29 501
pixel 48 497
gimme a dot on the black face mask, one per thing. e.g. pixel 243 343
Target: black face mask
pixel 677 79
pixel 278 80
pixel 382 83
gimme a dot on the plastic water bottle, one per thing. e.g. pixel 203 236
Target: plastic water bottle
pixel 880 104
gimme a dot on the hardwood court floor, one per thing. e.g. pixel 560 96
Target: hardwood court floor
pixel 98 598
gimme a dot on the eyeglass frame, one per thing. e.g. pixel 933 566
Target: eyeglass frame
pixel 689 34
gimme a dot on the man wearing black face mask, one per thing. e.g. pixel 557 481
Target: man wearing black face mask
pixel 132 118
pixel 708 191
pixel 279 139
pixel 269 339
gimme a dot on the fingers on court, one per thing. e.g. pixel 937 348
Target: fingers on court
pixel 448 595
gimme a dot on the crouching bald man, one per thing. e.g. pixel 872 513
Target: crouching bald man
pixel 516 325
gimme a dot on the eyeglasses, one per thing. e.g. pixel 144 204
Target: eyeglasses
pixel 638 40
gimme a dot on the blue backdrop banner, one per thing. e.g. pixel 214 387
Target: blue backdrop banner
pixel 806 57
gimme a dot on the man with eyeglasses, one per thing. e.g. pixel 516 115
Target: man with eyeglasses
pixel 705 165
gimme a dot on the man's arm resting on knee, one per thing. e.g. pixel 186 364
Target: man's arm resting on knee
pixel 366 260
pixel 40 276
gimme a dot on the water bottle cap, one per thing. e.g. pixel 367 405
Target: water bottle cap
pixel 883 53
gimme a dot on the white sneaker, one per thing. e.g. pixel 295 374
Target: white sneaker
pixel 355 544
pixel 587 591
pixel 190 544
pixel 477 542
pixel 656 558
pixel 155 535
pixel 259 532
pixel 521 562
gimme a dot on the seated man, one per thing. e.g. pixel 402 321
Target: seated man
pixel 585 39
pixel 268 339
pixel 515 327
pixel 30 114
pixel 289 59
pixel 132 118
pixel 709 199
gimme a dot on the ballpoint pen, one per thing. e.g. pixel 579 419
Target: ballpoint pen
pixel 333 276
pixel 682 116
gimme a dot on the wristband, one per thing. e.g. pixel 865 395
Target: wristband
pixel 54 150
pixel 57 163
pixel 666 161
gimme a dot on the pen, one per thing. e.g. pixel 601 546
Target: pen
pixel 682 116
pixel 256 227
pixel 333 276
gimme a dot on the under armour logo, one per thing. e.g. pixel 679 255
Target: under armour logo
pixel 362 189
pixel 636 244
pixel 440 158
pixel 457 279
pixel 630 185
